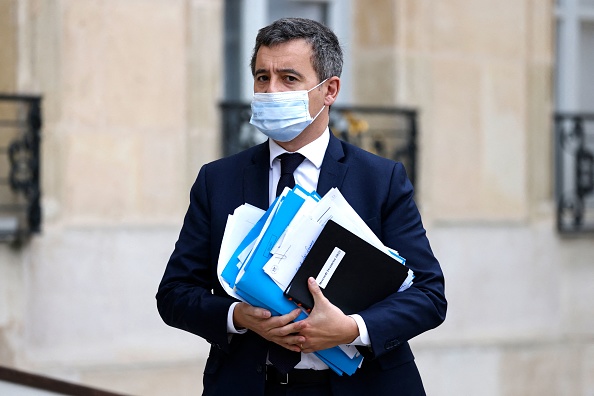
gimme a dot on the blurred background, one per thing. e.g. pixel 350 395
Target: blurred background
pixel 109 108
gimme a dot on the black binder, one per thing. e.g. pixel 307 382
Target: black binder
pixel 363 274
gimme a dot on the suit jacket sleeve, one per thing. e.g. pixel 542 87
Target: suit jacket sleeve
pixel 404 315
pixel 185 298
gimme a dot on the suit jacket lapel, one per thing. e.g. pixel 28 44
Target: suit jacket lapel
pixel 333 170
pixel 255 180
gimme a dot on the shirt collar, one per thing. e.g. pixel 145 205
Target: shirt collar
pixel 313 151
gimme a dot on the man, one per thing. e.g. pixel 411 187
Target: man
pixel 298 62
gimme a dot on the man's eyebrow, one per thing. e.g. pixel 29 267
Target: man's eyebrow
pixel 284 71
pixel 291 71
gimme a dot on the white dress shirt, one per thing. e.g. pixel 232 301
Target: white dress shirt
pixel 306 175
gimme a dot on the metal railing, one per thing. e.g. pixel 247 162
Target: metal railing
pixel 20 135
pixel 574 170
pixel 389 132
pixel 25 383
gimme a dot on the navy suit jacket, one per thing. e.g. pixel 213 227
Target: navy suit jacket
pixel 191 298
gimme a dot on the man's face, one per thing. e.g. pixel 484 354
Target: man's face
pixel 287 67
pixel 284 67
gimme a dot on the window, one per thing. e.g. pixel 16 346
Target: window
pixel 575 56
pixel 574 121
pixel 243 18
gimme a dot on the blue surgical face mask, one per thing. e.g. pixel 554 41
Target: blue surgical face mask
pixel 282 116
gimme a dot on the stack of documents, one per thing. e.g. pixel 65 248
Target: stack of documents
pixel 262 251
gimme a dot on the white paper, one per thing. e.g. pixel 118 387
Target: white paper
pixel 297 240
pixel 329 267
pixel 350 350
pixel 239 224
pixel 288 256
pixel 244 257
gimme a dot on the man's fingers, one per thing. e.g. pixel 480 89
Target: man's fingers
pixel 287 318
pixel 256 312
pixel 283 326
pixel 314 289
pixel 263 313
pixel 292 342
pixel 280 329
pixel 294 314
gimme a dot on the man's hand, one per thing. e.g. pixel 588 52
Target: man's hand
pixel 278 329
pixel 326 326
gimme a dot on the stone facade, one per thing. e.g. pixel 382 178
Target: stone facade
pixel 130 91
pixel 481 73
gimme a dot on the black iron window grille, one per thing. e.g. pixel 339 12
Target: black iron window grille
pixel 388 132
pixel 20 133
pixel 574 168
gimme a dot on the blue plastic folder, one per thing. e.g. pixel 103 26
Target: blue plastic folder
pixel 258 289
pixel 255 282
pixel 231 270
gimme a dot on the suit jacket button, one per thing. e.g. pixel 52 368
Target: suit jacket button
pixel 391 344
pixel 259 368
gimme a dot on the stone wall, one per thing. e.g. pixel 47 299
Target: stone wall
pixel 130 91
pixel 10 263
pixel 520 321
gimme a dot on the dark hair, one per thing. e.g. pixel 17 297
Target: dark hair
pixel 326 52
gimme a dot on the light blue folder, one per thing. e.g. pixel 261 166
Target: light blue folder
pixel 255 281
pixel 232 267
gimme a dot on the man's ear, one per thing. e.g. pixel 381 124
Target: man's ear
pixel 332 89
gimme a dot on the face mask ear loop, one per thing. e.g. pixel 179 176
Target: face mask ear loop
pixel 323 106
pixel 319 112
pixel 317 85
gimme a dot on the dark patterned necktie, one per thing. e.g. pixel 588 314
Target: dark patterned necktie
pixel 281 358
pixel 289 162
